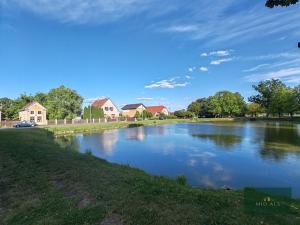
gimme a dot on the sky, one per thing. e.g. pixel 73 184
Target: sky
pixel 151 51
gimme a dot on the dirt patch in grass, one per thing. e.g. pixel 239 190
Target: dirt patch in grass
pixel 84 198
pixel 113 219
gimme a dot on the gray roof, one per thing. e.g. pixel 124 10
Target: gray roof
pixel 132 106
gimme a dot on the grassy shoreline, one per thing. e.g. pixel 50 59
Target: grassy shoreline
pixel 85 128
pixel 43 183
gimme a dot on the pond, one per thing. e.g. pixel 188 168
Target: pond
pixel 235 155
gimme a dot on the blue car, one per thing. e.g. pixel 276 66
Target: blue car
pixel 24 124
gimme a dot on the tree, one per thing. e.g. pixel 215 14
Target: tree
pixel 63 103
pixel 147 114
pixel 291 101
pixel 195 107
pixel 93 113
pixel 269 93
pixel 18 104
pixel 226 103
pixel 5 106
pixel 272 3
pixel 253 109
pixel 200 108
pixel 137 115
pixel 183 114
pixel 40 98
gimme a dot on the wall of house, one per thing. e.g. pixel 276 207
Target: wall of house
pixel 110 110
pixel 165 111
pixel 32 114
pixel 131 113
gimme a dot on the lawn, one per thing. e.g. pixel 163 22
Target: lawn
pixel 84 128
pixel 43 183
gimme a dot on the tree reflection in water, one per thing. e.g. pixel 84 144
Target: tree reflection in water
pixel 281 141
pixel 226 141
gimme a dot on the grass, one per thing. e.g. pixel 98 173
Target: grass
pixel 85 128
pixel 42 183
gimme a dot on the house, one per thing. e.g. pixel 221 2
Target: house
pixel 131 109
pixel 34 112
pixel 109 108
pixel 158 110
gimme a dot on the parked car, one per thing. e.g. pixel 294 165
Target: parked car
pixel 25 124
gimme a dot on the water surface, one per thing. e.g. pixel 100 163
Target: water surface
pixel 237 155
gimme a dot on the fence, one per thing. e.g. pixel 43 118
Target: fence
pixel 8 124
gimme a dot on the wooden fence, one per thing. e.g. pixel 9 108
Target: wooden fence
pixel 9 124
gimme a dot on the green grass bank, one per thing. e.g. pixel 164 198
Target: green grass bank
pixel 42 183
pixel 86 128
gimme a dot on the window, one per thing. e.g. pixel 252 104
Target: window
pixel 106 108
pixel 39 112
pixel 31 112
pixel 39 119
pixel 32 119
pixel 111 108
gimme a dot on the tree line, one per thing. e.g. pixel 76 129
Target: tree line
pixel 273 98
pixel 61 103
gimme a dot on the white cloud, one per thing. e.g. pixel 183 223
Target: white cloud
pixel 220 61
pixel 256 68
pixel 291 75
pixel 215 25
pixel 182 28
pixel 220 53
pixel 168 84
pixel 204 69
pixel 83 11
pixel 188 77
pixel 144 99
pixel 191 69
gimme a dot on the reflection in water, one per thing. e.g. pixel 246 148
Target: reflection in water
pixel 225 141
pixel 279 142
pixel 140 133
pixel 197 151
pixel 137 133
pixel 68 142
pixel 105 143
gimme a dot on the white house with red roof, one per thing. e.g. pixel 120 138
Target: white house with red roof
pixel 158 110
pixel 109 108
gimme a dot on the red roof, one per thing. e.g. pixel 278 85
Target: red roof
pixel 156 109
pixel 99 103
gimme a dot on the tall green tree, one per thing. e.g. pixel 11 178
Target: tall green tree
pixel 93 113
pixel 254 109
pixel 269 92
pixel 273 3
pixel 226 103
pixel 41 98
pixel 200 108
pixel 63 103
pixel 291 101
pixel 5 108
pixel 18 104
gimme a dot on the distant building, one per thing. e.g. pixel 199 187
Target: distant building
pixel 34 112
pixel 157 110
pixel 131 109
pixel 109 108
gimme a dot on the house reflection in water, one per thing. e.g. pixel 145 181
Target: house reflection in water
pixel 137 133
pixel 140 133
pixel 99 144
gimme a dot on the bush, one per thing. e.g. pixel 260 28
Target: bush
pixel 181 180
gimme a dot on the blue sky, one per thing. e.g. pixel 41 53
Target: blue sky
pixel 150 51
